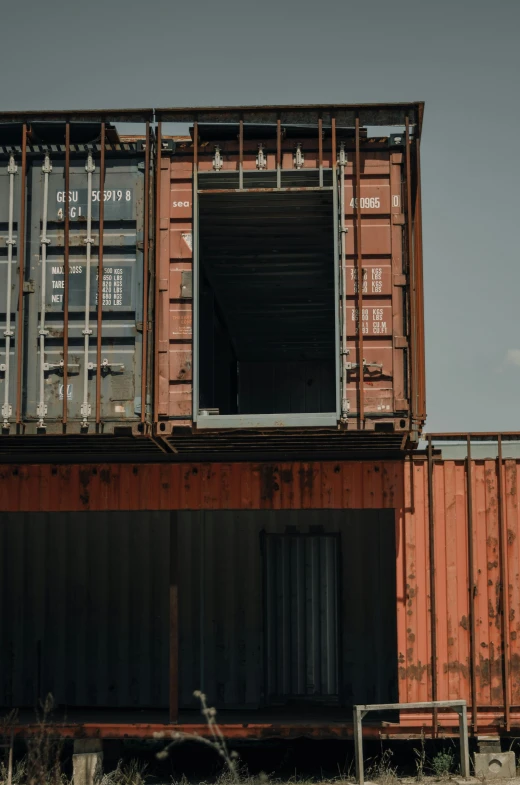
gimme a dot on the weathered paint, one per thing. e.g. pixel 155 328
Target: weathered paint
pixel 402 486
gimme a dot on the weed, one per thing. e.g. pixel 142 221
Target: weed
pixel 381 770
pixel 442 763
pixel 216 742
pixel 420 760
pixel 132 773
pixel 44 750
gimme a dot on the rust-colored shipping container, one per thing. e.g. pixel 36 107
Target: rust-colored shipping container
pixel 437 564
pixel 267 220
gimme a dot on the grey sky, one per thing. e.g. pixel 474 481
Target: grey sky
pixel 461 56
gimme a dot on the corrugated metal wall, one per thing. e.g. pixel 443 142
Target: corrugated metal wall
pixel 84 608
pixel 222 563
pixel 302 579
pixel 84 602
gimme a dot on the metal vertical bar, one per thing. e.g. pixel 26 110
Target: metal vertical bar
pixel 340 381
pixel 359 267
pixel 433 612
pixel 464 741
pixel 320 150
pixel 7 409
pixel 100 276
pixel 358 746
pixel 41 409
pixel 241 155
pixel 66 255
pixel 21 272
pixel 158 315
pixel 419 285
pixel 504 584
pixel 471 586
pixel 174 619
pixel 278 153
pixel 146 261
pixel 412 281
pixel 343 279
pixel 87 331
pixel 195 287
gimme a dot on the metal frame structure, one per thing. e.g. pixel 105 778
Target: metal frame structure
pixel 331 116
pixel 361 711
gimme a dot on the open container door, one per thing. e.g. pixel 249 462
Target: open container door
pixel 266 322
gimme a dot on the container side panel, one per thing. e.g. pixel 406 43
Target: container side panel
pixel 85 603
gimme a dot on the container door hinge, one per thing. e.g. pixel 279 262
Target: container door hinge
pixel 28 287
pixel 299 160
pixel 140 245
pixel 217 160
pixel 261 160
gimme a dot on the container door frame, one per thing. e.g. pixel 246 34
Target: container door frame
pixel 340 600
pixel 311 420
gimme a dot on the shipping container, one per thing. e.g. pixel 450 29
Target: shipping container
pixel 268 219
pixel 74 199
pixel 264 220
pixel 286 591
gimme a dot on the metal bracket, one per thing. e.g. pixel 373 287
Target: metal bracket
pixel 41 410
pixel 7 410
pixel 90 166
pixel 299 160
pixel 3 367
pixel 59 366
pixel 352 366
pixel 261 160
pixel 105 366
pixel 342 158
pixel 47 166
pixel 86 409
pixel 28 287
pixel 12 167
pixel 217 160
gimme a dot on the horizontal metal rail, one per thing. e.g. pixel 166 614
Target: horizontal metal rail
pixel 361 710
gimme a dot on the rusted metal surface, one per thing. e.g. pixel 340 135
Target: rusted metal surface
pixel 433 607
pixel 99 336
pixel 360 282
pixel 504 585
pixel 471 585
pixel 238 725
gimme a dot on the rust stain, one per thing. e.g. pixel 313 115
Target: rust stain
pixel 457 667
pixel 414 672
pixel 84 479
pixel 269 481
pixel 464 623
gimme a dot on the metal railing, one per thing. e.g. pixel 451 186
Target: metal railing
pixel 361 710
